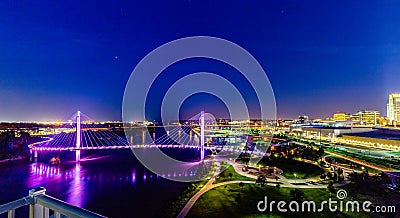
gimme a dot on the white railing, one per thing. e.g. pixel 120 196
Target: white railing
pixel 44 206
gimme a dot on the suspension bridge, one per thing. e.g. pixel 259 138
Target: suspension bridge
pixel 80 135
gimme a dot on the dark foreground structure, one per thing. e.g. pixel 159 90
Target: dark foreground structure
pixel 44 206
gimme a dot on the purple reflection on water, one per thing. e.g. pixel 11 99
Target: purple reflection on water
pixel 91 185
pixel 42 174
pixel 133 177
pixel 76 193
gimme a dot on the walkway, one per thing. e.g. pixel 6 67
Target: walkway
pixel 283 181
pixel 205 189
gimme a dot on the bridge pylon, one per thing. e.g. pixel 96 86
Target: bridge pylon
pixel 78 136
pixel 202 135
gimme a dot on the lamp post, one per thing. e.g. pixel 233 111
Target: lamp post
pixel 320 135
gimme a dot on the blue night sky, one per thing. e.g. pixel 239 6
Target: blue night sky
pixel 321 56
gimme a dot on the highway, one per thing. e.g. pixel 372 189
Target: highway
pixel 366 152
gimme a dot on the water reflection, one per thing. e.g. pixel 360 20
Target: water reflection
pixel 42 172
pixel 75 181
pixel 90 184
pixel 76 193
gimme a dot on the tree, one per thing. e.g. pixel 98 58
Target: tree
pixel 354 177
pixel 230 175
pixel 261 180
pixel 238 198
pixel 278 186
pixel 385 178
pixel 336 176
pixel 330 187
pixel 296 195
pixel 341 177
pixel 241 184
pixel 322 176
pixel 320 151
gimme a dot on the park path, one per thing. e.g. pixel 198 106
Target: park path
pixel 287 183
pixel 209 185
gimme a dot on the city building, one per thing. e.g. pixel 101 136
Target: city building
pixel 384 121
pixel 382 138
pixel 303 119
pixel 366 117
pixel 325 132
pixel 341 116
pixel 393 108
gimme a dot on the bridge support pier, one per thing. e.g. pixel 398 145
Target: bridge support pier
pixel 35 156
pixel 77 155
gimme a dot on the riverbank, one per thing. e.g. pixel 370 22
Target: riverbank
pixel 12 161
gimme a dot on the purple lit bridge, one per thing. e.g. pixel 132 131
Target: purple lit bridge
pixel 83 135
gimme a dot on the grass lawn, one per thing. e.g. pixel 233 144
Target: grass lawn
pixel 172 209
pixel 395 152
pixel 234 201
pixel 224 176
pixel 303 170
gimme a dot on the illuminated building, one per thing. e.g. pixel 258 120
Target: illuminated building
pixel 303 119
pixel 388 139
pixel 384 121
pixel 393 108
pixel 341 116
pixel 367 117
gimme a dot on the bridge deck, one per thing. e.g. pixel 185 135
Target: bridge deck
pixel 226 148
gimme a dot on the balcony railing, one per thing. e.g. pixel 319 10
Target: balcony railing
pixel 44 206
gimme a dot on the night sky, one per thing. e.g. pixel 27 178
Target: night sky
pixel 320 56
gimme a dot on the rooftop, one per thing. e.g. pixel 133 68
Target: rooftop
pixel 376 134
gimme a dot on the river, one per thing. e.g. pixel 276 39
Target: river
pixel 110 182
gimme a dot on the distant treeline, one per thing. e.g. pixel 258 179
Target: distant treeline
pixel 14 144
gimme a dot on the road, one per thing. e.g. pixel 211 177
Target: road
pixel 363 163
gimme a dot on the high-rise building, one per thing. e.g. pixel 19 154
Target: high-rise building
pixel 393 108
pixel 341 116
pixel 367 117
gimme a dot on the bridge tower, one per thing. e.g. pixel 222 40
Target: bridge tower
pixel 202 135
pixel 78 136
